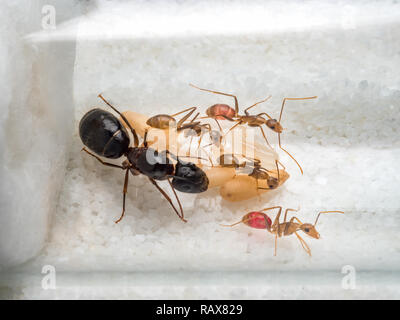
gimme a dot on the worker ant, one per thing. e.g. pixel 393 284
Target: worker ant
pixel 105 135
pixel 220 111
pixel 260 220
pixel 257 171
pixel 258 120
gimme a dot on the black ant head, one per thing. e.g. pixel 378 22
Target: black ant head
pixel 310 230
pixel 274 125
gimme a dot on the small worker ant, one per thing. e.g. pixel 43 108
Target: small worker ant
pixel 258 120
pixel 260 220
pixel 105 135
pixel 258 172
pixel 220 111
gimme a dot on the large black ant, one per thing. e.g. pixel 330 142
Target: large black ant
pixel 105 135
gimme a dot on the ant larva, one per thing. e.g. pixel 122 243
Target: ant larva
pixel 259 220
pixel 106 136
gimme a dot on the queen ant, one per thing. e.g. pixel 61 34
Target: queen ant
pixel 259 220
pixel 105 135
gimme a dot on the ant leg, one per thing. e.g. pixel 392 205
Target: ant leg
pixel 219 126
pixel 195 117
pixel 145 138
pixel 291 220
pixel 265 137
pixel 168 198
pixel 101 161
pixel 303 244
pixel 233 127
pixel 199 143
pixel 125 190
pixel 222 93
pixel 135 137
pixel 276 161
pixel 190 145
pixel 181 121
pixel 227 118
pixel 192 109
pixel 177 199
pixel 295 218
pixel 236 223
pixel 276 221
pixel 253 105
pixel 276 242
pixel 280 146
pixel 284 168
pixel 220 115
pixel 284 101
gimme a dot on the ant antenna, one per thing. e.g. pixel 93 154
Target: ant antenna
pixel 284 100
pixel 316 220
pixel 135 137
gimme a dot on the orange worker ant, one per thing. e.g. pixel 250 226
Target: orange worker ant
pixel 256 120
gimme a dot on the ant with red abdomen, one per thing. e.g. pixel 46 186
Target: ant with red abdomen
pixel 254 120
pixel 260 220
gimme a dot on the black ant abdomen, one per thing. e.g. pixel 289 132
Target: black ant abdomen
pixel 103 133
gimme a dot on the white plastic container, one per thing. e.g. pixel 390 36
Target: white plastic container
pixel 58 205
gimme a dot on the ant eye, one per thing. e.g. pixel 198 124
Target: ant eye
pixel 306 230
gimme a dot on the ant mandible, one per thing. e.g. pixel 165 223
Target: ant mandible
pixel 259 220
pixel 105 135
